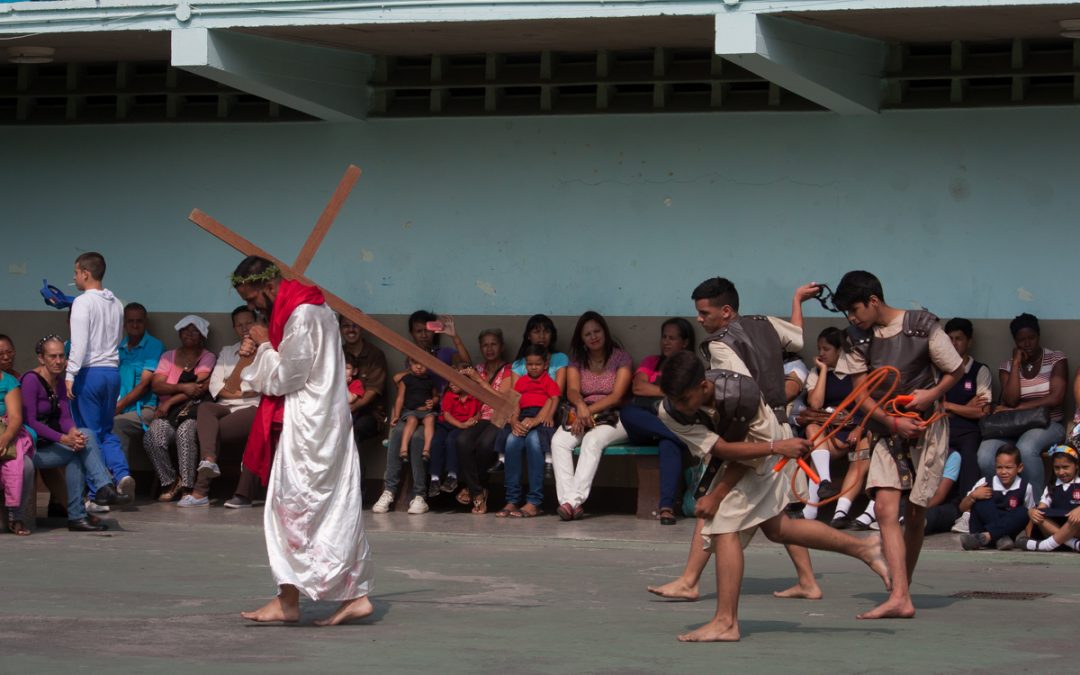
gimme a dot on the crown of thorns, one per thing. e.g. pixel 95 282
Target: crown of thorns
pixel 269 274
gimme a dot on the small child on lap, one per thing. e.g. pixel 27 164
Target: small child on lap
pixel 414 404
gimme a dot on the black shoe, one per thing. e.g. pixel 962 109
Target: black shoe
pixel 57 511
pixel 450 485
pixel 108 496
pixel 497 468
pixel 826 489
pixel 85 525
pixel 841 522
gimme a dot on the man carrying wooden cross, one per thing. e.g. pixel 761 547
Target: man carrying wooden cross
pixel 314 533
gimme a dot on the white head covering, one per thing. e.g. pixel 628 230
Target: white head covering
pixel 194 320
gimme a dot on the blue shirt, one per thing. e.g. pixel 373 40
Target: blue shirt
pixel 952 467
pixel 7 384
pixel 133 361
pixel 558 362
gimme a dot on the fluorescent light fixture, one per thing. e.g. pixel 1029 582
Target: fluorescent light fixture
pixel 30 54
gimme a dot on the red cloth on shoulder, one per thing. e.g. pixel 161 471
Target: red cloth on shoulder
pixel 259 451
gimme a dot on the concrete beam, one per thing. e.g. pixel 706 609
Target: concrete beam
pixel 329 84
pixel 839 71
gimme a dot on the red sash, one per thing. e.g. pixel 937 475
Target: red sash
pixel 259 451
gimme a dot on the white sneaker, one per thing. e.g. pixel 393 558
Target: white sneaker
pixel 126 486
pixel 208 469
pixel 385 500
pixel 418 505
pixel 963 523
pixel 92 507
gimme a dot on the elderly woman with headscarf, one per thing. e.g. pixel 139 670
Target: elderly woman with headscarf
pixel 181 383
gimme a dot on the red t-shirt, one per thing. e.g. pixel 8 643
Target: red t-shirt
pixel 356 387
pixel 535 393
pixel 461 407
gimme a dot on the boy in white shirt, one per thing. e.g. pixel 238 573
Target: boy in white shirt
pixel 999 509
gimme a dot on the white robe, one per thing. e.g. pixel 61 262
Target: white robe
pixel 314 532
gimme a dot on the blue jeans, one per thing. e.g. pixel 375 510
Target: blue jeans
pixel 96 391
pixel 646 428
pixel 84 467
pixel 392 477
pixel 1032 444
pixel 444 451
pixel 530 449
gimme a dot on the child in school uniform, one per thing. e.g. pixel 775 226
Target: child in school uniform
pixel 1057 515
pixel 416 388
pixel 999 508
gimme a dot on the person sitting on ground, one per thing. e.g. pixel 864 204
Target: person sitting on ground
pixel 1033 378
pixel 181 383
pixel 476 445
pixel 943 509
pixel 226 421
pixel 414 406
pixel 539 394
pixel 999 509
pixel 640 420
pixel 597 383
pixel 59 443
pixel 17 446
pixel 826 390
pixel 1057 515
pixel 460 411
pixel 139 355
pixel 369 410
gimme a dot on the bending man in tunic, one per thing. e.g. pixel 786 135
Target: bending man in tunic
pixel 301 446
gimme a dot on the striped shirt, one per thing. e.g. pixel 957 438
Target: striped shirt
pixel 1038 385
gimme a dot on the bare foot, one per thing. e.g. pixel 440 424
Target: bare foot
pixel 713 631
pixel 875 560
pixel 350 610
pixel 801 592
pixel 891 609
pixel 274 610
pixel 676 590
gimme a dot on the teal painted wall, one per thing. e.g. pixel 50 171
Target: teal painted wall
pixel 968 212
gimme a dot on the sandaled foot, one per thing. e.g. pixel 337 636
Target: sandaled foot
pixel 713 632
pixel 272 611
pixel 463 497
pixel 17 528
pixel 875 560
pixel 530 511
pixel 890 609
pixel 676 590
pixel 507 511
pixel 800 592
pixel 350 610
pixel 479 504
pixel 666 516
pixel 172 492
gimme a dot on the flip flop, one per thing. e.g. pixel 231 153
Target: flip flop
pixel 529 511
pixel 17 528
pixel 463 497
pixel 508 511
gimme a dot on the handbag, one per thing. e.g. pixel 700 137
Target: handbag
pixel 568 413
pixel 1013 423
pixel 178 414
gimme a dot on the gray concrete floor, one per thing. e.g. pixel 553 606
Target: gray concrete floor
pixel 461 593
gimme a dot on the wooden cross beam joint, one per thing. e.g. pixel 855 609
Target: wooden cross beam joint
pixel 504 405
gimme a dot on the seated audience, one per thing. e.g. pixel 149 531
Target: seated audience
pixel 597 383
pixel 539 394
pixel 639 417
pixel 226 421
pixel 139 356
pixel 1034 377
pixel 1057 515
pixel 459 411
pixel 181 383
pixel 369 410
pixel 999 508
pixel 476 445
pixel 58 443
pixel 15 446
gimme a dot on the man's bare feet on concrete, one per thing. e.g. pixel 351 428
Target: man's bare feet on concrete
pixel 676 590
pixel 714 631
pixel 801 592
pixel 891 609
pixel 275 610
pixel 873 557
pixel 350 610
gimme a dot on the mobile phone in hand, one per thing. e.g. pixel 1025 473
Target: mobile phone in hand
pixel 435 326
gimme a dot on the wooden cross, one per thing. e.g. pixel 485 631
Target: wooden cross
pixel 505 406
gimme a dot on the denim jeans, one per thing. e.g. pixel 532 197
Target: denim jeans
pixel 646 428
pixel 83 467
pixel 1031 444
pixel 444 456
pixel 526 448
pixel 392 477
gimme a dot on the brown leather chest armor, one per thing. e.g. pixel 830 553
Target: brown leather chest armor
pixel 757 343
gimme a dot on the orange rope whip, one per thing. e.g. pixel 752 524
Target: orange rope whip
pixel 853 401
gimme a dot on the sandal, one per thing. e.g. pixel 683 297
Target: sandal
pixel 17 528
pixel 510 510
pixel 666 516
pixel 171 493
pixel 530 511
pixel 479 504
pixel 463 497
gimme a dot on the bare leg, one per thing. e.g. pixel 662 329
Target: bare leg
pixel 898 605
pixel 285 607
pixel 406 436
pixel 350 610
pixel 686 586
pixel 429 434
pixel 855 478
pixel 807 587
pixel 1048 527
pixel 914 533
pixel 724 626
pixel 813 534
